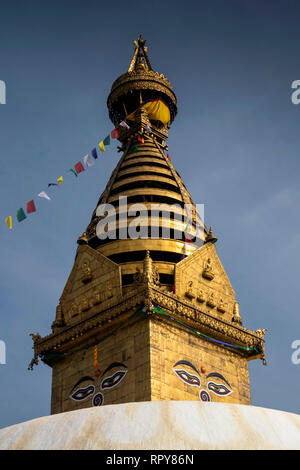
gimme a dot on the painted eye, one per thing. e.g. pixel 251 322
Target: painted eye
pixel 113 380
pixel 98 399
pixel 188 378
pixel 218 389
pixel 83 393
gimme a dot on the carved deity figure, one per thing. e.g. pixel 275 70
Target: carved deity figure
pixel 201 296
pixel 189 292
pixel 96 297
pixel 85 304
pixel 74 309
pixel 207 272
pixel 86 273
pixel 211 300
pixel 221 306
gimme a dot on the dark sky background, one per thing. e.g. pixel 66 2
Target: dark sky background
pixel 235 142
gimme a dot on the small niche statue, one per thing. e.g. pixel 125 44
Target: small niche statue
pixel 86 273
pixel 211 301
pixel 189 292
pixel 221 306
pixel 97 298
pixel 85 304
pixel 207 272
pixel 201 296
pixel 74 310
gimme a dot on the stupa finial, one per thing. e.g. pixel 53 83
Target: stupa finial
pixel 140 57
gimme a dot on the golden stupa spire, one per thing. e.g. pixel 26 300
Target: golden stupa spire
pixel 140 57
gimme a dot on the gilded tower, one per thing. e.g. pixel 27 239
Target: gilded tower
pixel 148 312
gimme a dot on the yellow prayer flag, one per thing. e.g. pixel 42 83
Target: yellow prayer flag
pixel 9 222
pixel 101 145
pixel 60 180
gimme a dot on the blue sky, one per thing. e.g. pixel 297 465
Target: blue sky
pixel 235 142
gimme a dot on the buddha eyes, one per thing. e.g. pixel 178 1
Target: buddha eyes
pixel 83 393
pixel 113 380
pixel 188 378
pixel 218 389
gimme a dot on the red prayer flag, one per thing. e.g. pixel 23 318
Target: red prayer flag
pixel 30 207
pixel 79 167
pixel 140 139
pixel 168 156
pixel 114 134
pixel 188 239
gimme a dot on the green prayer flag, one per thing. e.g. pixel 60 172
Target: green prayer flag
pixel 133 149
pixel 21 215
pixel 106 141
pixel 73 171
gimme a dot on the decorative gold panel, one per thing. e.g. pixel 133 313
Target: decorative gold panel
pixel 201 279
pixel 94 280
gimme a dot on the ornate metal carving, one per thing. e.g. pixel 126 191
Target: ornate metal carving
pixel 211 302
pixel 189 293
pixel 86 273
pixel 201 296
pixel 221 306
pixel 207 272
pixel 59 318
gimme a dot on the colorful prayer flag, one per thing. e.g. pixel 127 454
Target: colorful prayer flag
pixel 52 184
pixel 134 148
pixel 101 145
pixel 124 124
pixel 94 153
pixel 168 156
pixel 44 195
pixel 156 109
pixel 79 168
pixel 21 215
pixel 114 134
pixel 88 161
pixel 60 180
pixel 30 207
pixel 188 238
pixel 140 139
pixel 8 220
pixel 106 141
pixel 73 171
pixel 148 128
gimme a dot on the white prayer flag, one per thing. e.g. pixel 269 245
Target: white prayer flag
pixel 124 124
pixel 148 128
pixel 44 195
pixel 88 161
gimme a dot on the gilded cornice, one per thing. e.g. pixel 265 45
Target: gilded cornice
pixel 147 294
pixel 193 316
pixel 102 319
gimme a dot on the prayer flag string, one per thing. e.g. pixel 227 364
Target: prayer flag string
pixel 88 160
